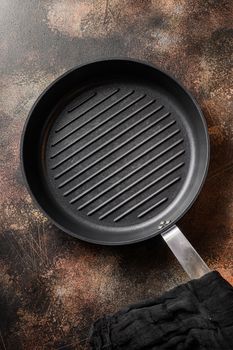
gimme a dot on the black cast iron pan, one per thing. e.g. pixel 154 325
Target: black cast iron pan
pixel 115 152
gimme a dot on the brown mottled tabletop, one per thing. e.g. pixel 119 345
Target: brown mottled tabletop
pixel 53 286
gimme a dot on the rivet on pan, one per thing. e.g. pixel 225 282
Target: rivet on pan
pixel 162 222
pixel 160 226
pixel 167 222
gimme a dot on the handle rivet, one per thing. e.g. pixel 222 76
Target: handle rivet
pixel 163 223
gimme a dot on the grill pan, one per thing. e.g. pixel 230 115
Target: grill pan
pixel 115 152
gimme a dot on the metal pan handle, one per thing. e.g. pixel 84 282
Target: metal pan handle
pixel 187 256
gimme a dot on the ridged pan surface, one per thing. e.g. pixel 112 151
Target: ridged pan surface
pixel 120 154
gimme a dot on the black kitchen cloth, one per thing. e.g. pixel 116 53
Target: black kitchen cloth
pixel 195 315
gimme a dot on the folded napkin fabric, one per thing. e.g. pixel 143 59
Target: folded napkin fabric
pixel 195 315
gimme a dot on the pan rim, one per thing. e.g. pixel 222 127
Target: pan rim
pixel 202 179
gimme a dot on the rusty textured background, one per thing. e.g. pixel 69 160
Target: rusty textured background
pixel 51 285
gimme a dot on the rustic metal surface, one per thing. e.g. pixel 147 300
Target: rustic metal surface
pixel 51 285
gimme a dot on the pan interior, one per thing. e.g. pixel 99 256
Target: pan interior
pixel 118 155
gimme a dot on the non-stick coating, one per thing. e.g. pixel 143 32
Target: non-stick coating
pixel 115 151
